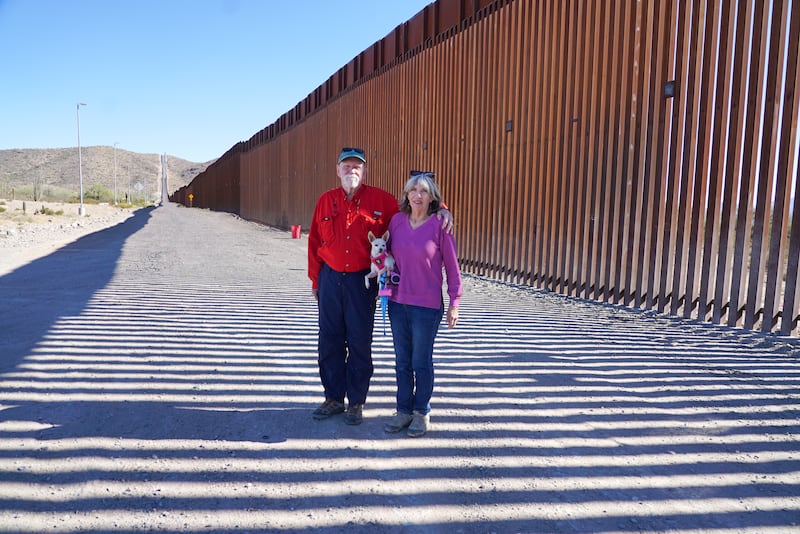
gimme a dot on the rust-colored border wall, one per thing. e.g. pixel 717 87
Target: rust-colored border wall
pixel 638 153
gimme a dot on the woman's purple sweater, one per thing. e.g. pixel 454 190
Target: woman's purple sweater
pixel 419 254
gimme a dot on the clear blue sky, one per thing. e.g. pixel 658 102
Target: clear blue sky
pixel 189 78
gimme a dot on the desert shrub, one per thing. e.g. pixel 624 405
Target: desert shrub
pixel 47 211
pixel 48 193
pixel 98 193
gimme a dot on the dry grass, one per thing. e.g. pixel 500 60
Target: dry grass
pixel 19 212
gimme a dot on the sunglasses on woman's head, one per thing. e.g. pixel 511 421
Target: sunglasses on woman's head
pixel 424 174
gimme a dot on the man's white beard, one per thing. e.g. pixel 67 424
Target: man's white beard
pixel 352 181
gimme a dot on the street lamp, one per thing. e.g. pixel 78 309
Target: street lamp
pixel 115 173
pixel 81 209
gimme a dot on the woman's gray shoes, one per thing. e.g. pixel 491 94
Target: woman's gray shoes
pixel 419 425
pixel 398 422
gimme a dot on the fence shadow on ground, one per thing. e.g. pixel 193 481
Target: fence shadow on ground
pixel 36 295
pixel 154 405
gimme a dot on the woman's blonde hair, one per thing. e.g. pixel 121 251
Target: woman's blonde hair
pixel 426 180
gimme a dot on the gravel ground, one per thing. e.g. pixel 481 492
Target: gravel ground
pixel 29 230
pixel 159 376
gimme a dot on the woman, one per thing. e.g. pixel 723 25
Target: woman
pixel 421 248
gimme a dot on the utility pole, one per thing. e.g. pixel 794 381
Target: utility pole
pixel 115 173
pixel 81 209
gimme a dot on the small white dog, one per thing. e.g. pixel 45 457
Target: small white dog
pixel 382 262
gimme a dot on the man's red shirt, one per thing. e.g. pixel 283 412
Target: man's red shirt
pixel 339 228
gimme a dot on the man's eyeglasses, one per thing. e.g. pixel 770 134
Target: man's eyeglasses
pixel 356 150
pixel 423 174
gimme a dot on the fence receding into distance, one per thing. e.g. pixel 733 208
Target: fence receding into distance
pixel 641 153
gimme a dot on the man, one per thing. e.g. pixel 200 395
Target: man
pixel 338 260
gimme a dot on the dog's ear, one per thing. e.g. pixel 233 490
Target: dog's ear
pixel 371 236
pixel 386 235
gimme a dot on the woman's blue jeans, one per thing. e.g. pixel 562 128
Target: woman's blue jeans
pixel 414 330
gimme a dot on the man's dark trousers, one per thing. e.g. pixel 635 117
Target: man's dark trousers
pixel 346 318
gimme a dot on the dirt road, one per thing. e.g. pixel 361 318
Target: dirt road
pixel 160 375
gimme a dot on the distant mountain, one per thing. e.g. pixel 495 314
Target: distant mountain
pixel 54 171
